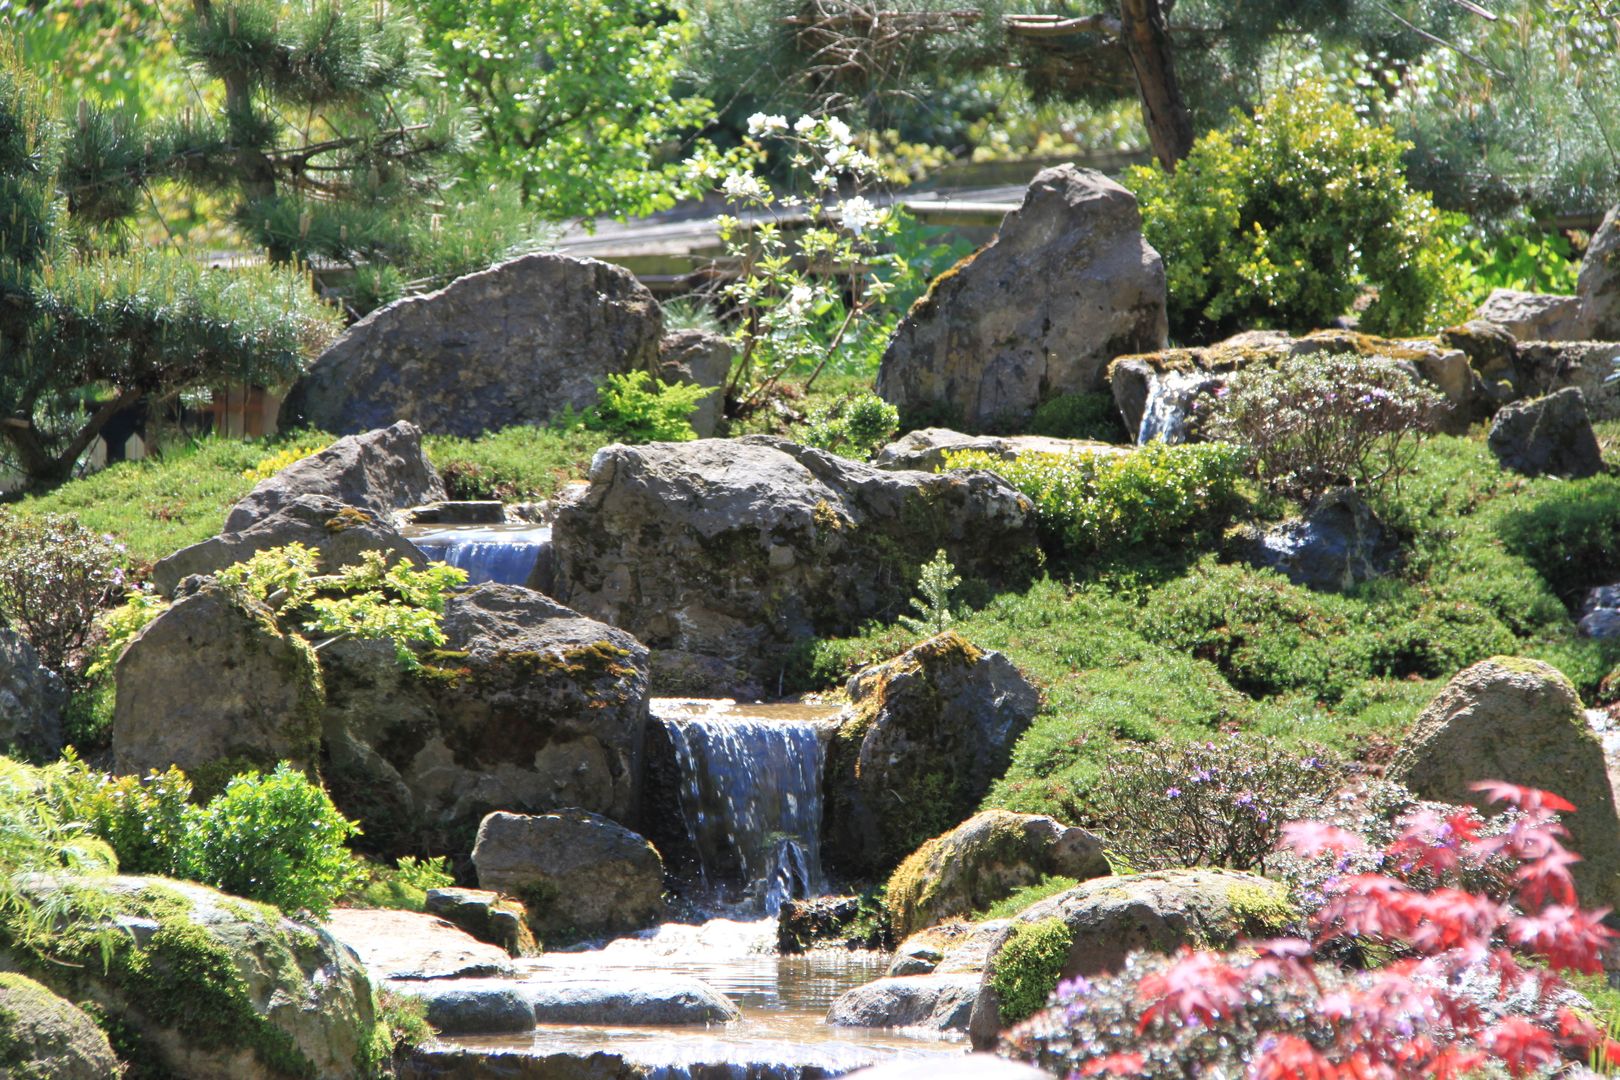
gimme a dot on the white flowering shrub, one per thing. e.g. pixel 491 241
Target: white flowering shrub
pixel 811 264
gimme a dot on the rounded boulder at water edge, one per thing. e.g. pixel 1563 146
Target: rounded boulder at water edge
pixel 660 1001
pixel 941 1003
pixel 471 1006
pixel 413 945
pixel 43 1037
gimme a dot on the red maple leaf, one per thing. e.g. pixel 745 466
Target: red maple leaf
pixel 1520 1045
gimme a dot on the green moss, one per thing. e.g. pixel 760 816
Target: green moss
pixel 37 1026
pixel 1027 969
pixel 1049 886
pixel 350 517
pixel 1262 910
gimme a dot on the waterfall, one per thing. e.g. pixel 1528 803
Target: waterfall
pixel 750 797
pixel 1170 400
pixel 506 554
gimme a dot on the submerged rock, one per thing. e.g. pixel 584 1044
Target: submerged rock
pixel 1519 721
pixel 1548 435
pixel 741 549
pixel 379 471
pixel 985 859
pixel 1067 285
pixel 1338 544
pixel 43 1037
pixel 412 945
pixel 933 1002
pixel 529 707
pixel 510 345
pixel 578 875
pixel 927 734
pixel 32 701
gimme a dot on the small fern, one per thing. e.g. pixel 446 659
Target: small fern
pixel 933 604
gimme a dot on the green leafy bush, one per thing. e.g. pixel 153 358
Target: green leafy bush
pixel 856 426
pixel 1088 502
pixel 1080 416
pixel 1026 970
pixel 56 577
pixel 1283 219
pixel 147 821
pixel 1221 802
pixel 515 464
pixel 1316 422
pixel 636 408
pixel 1526 259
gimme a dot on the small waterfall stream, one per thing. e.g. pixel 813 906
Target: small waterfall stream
pixel 749 795
pixel 505 554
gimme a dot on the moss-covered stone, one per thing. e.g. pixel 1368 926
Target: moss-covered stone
pixel 1028 967
pixel 43 1037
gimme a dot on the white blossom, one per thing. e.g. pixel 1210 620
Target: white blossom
pixel 804 125
pixel 797 303
pixel 761 124
pixel 858 215
pixel 744 185
pixel 838 130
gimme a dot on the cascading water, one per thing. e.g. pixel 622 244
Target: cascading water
pixel 505 554
pixel 750 796
pixel 1169 404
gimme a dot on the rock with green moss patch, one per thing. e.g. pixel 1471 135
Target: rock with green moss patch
pixel 32 701
pixel 43 1037
pixel 927 734
pixel 487 916
pixel 1519 721
pixel 987 858
pixel 1109 918
pixel 199 985
pixel 530 707
pixel 212 686
pixel 930 1002
pixel 741 549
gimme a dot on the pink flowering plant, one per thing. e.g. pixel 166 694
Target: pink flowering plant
pixel 1439 954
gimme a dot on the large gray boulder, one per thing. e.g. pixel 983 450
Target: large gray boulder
pixel 510 345
pixel 43 1037
pixel 1547 435
pixel 528 707
pixel 578 874
pixel 212 686
pixel 339 533
pixel 927 734
pixel 1519 721
pixel 1067 285
pixel 698 358
pixel 736 550
pixel 1338 544
pixel 211 985
pixel 32 701
pixel 932 1002
pixel 380 471
pixel 1531 316
pixel 986 858
pixel 1599 283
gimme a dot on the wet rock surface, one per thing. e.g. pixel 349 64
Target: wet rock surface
pixel 1338 544
pixel 413 945
pixel 935 1002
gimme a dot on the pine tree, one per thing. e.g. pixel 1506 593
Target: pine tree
pixel 933 604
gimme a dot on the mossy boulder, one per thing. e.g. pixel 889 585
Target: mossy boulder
pixel 43 1037
pixel 213 686
pixel 742 549
pixel 530 707
pixel 33 700
pixel 1106 919
pixel 1520 721
pixel 927 734
pixel 487 916
pixel 198 985
pixel 987 858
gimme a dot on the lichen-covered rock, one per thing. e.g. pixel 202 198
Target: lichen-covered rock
pixel 1338 544
pixel 211 685
pixel 529 707
pixel 578 875
pixel 32 701
pixel 741 549
pixel 1108 918
pixel 1519 721
pixel 207 985
pixel 510 345
pixel 1548 435
pixel 487 916
pixel 1531 316
pixel 932 1002
pixel 380 471
pixel 925 449
pixel 1598 285
pixel 987 858
pixel 340 535
pixel 1600 612
pixel 698 358
pixel 43 1037
pixel 1067 285
pixel 927 734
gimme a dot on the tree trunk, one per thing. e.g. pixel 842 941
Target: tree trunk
pixel 1164 110
pixel 35 458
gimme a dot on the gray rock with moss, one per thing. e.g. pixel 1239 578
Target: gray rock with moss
pixel 926 448
pixel 1338 544
pixel 985 859
pixel 529 707
pixel 32 701
pixel 339 533
pixel 1109 918
pixel 211 685
pixel 738 550
pixel 43 1037
pixel 471 1006
pixel 578 874
pixel 510 345
pixel 1549 435
pixel 698 358
pixel 926 735
pixel 933 1002
pixel 380 471
pixel 1598 285
pixel 1519 721
pixel 1531 316
pixel 207 985
pixel 487 916
pixel 1067 285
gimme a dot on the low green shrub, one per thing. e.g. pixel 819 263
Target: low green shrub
pixel 637 408
pixel 401 887
pixel 1080 416
pixel 1282 219
pixel 1571 535
pixel 1026 970
pixel 515 464
pixel 1008 906
pixel 856 425
pixel 932 603
pixel 1091 502
pixel 404 1016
